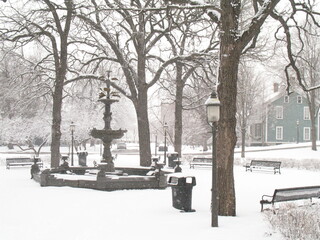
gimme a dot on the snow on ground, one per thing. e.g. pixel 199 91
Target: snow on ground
pixel 31 212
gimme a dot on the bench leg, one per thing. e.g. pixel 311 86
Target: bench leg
pixel 276 170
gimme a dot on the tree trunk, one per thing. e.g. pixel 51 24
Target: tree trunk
pixel 243 142
pixel 56 124
pixel 313 134
pixel 313 118
pixel 143 128
pixel 141 105
pixel 227 91
pixel 178 112
pixel 226 135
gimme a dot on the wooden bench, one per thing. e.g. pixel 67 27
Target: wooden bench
pixel 201 161
pixel 291 194
pixel 10 162
pixel 263 165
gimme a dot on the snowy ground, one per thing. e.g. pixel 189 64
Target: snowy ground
pixel 31 212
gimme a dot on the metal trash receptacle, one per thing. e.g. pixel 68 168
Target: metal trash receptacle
pixel 182 192
pixel 171 159
pixel 82 158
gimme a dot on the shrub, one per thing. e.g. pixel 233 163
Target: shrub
pixel 296 222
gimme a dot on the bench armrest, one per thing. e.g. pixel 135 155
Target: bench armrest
pixel 266 198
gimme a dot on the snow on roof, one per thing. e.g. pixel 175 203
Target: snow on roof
pixel 274 96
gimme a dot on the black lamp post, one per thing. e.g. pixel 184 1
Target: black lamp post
pixel 156 143
pixel 213 114
pixel 165 128
pixel 72 128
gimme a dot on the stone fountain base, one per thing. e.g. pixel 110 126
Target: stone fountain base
pixel 122 178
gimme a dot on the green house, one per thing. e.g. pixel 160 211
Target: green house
pixel 285 119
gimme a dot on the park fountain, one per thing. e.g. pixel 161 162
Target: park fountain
pixel 105 176
pixel 107 135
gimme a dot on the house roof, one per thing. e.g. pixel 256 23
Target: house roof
pixel 273 97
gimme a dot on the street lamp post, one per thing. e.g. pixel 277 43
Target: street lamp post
pixel 165 128
pixel 156 143
pixel 72 128
pixel 298 131
pixel 213 114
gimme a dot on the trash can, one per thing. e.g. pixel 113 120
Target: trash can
pixel 162 148
pixel 154 161
pixel 171 157
pixel 82 158
pixel 182 192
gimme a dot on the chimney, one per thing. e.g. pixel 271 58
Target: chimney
pixel 275 87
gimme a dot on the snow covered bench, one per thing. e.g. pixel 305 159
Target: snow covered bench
pixel 21 162
pixel 264 165
pixel 291 194
pixel 201 161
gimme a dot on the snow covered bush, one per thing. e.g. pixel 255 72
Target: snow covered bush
pixel 308 164
pixel 296 222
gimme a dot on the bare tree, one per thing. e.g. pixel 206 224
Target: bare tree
pixel 132 33
pixel 32 147
pixel 308 60
pixel 20 90
pixel 183 40
pixel 248 91
pixel 48 24
pixel 234 42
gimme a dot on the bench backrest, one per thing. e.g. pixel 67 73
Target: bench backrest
pixel 17 160
pixel 264 163
pixel 202 160
pixel 287 194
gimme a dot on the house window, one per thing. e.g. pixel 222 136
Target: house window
pixel 279 112
pixel 299 99
pixel 286 99
pixel 279 133
pixel 306 113
pixel 306 133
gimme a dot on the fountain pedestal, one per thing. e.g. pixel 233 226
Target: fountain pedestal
pixel 107 135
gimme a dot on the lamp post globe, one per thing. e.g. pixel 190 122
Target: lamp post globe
pixel 213 114
pixel 213 108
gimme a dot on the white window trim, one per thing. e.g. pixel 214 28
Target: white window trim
pixel 279 112
pixel 279 128
pixel 306 113
pixel 306 137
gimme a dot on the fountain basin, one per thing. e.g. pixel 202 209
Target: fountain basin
pixel 144 178
pixel 107 133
